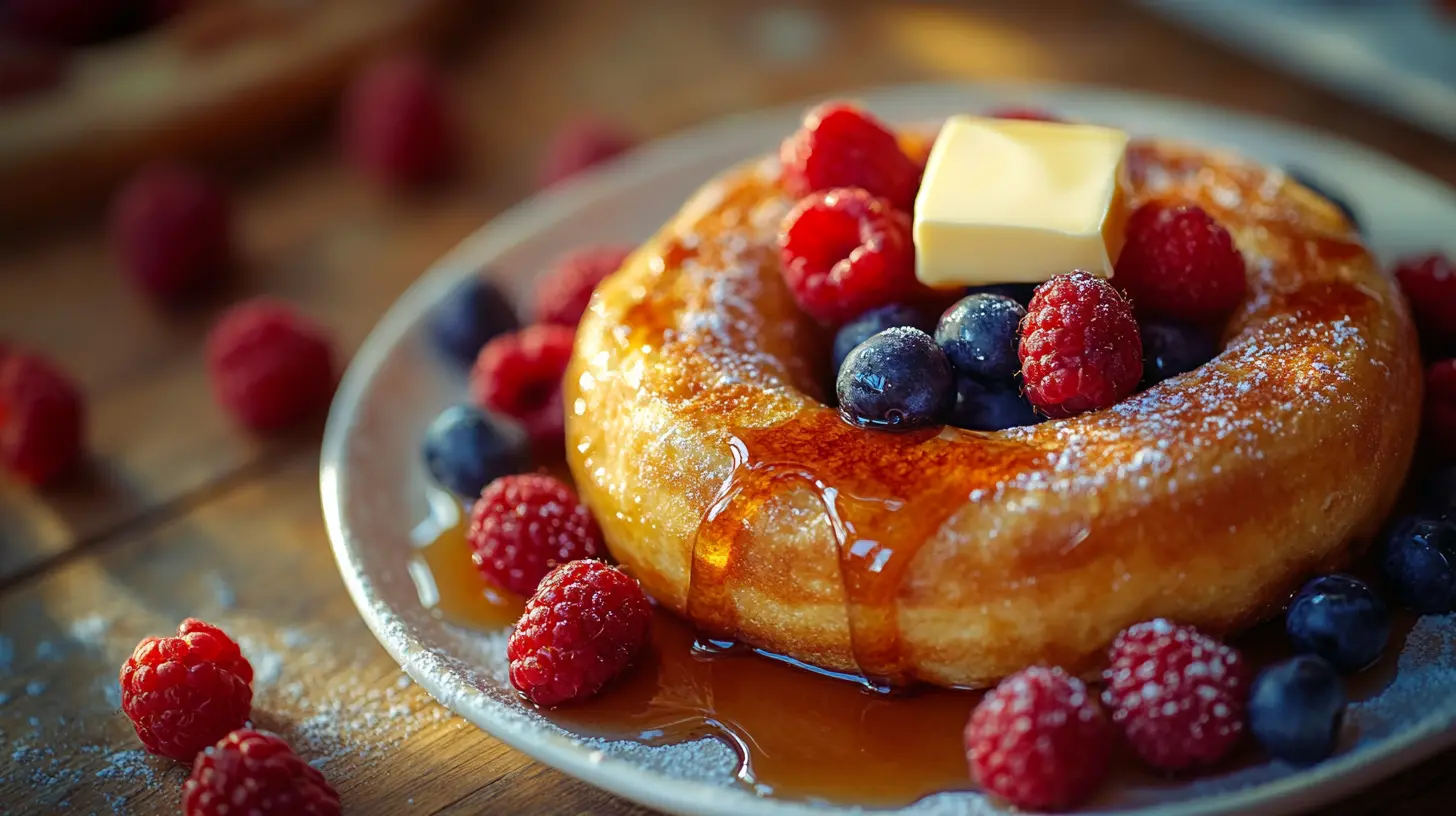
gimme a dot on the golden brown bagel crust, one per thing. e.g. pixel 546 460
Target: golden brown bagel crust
pixel 693 404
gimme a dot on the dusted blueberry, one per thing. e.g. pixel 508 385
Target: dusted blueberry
pixel 872 323
pixel 472 314
pixel 1324 192
pixel 1171 348
pixel 1340 619
pixel 979 336
pixel 897 380
pixel 1295 709
pixel 993 406
pixel 466 448
pixel 1019 292
pixel 1419 561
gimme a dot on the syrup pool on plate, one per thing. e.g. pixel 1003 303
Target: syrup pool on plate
pixel 799 734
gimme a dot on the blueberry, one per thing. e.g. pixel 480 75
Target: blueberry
pixel 472 314
pixel 993 406
pixel 897 380
pixel 466 449
pixel 1295 709
pixel 979 336
pixel 1324 192
pixel 1340 619
pixel 1171 348
pixel 1419 561
pixel 1019 292
pixel 872 323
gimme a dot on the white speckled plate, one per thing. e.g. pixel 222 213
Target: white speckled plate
pixel 375 497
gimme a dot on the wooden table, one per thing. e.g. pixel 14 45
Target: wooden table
pixel 179 514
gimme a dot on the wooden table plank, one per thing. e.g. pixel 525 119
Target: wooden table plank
pixel 180 514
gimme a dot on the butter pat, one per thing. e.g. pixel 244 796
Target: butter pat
pixel 1007 201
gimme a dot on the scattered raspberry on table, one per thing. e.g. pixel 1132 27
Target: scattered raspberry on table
pixel 584 626
pixel 42 418
pixel 564 292
pixel 1179 262
pixel 519 375
pixel 270 366
pixel 172 231
pixel 185 693
pixel 397 123
pixel 1080 348
pixel 523 526
pixel 1177 695
pixel 845 252
pixel 1039 740
pixel 581 144
pixel 253 772
pixel 840 145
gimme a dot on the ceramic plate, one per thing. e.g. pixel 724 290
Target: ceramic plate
pixel 375 489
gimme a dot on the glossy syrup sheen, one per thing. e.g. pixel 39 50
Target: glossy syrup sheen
pixel 799 734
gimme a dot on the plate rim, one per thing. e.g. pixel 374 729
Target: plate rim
pixel 1321 784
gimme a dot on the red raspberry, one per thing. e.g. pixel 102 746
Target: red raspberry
pixel 185 693
pixel 1039 740
pixel 172 231
pixel 563 294
pixel 524 526
pixel 398 128
pixel 1439 420
pixel 845 252
pixel 42 418
pixel 843 146
pixel 1177 694
pixel 1024 114
pixel 1080 347
pixel 583 627
pixel 1178 262
pixel 579 145
pixel 255 772
pixel 519 375
pixel 270 367
pixel 1429 283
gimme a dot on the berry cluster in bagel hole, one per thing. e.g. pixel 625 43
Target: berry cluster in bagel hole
pixel 959 289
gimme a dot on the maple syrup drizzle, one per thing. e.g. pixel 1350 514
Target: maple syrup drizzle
pixel 860 480
pixel 799 733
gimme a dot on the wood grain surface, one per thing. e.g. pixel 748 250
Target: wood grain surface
pixel 177 513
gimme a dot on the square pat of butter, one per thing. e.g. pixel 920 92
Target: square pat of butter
pixel 1009 201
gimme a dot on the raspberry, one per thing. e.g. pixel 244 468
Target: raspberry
pixel 843 146
pixel 1178 262
pixel 579 145
pixel 185 693
pixel 172 231
pixel 583 627
pixel 270 367
pixel 1429 283
pixel 397 124
pixel 1039 740
pixel 256 772
pixel 42 418
pixel 519 374
pixel 522 527
pixel 1438 422
pixel 1177 694
pixel 845 252
pixel 1080 350
pixel 563 294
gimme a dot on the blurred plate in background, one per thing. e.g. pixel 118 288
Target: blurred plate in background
pixel 1399 55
